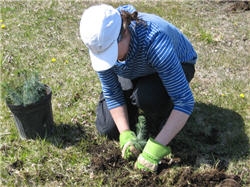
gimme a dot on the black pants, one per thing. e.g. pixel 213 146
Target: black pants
pixel 145 93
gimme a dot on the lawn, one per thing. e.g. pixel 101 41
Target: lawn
pixel 213 146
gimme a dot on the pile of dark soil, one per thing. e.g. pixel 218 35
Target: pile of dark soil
pixel 106 158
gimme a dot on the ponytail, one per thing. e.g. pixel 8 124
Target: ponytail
pixel 127 18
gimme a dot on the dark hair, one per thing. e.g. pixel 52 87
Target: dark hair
pixel 128 17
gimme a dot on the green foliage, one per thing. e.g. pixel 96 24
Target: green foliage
pixel 141 131
pixel 206 36
pixel 11 94
pixel 24 90
pixel 141 128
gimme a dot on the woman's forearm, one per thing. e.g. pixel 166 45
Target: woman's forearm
pixel 120 117
pixel 172 127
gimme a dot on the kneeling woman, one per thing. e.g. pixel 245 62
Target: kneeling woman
pixel 143 62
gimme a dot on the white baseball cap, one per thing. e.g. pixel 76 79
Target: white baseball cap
pixel 99 29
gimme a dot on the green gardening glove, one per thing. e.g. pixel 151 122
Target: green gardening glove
pixel 129 144
pixel 152 153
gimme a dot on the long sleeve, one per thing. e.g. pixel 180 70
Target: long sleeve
pixel 164 59
pixel 111 88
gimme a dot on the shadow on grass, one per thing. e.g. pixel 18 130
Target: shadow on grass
pixel 65 135
pixel 212 134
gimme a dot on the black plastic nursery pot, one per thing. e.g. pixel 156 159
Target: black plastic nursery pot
pixel 34 120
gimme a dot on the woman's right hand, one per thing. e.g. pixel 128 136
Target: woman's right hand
pixel 130 146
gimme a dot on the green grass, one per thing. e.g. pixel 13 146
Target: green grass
pixel 219 129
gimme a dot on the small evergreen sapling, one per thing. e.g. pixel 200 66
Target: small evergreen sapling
pixel 33 90
pixel 27 89
pixel 141 133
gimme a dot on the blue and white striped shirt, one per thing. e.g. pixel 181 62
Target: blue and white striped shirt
pixel 155 47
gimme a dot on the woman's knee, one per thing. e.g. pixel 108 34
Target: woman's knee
pixel 108 130
pixel 189 70
pixel 104 122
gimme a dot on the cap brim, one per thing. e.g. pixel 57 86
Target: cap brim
pixel 105 60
